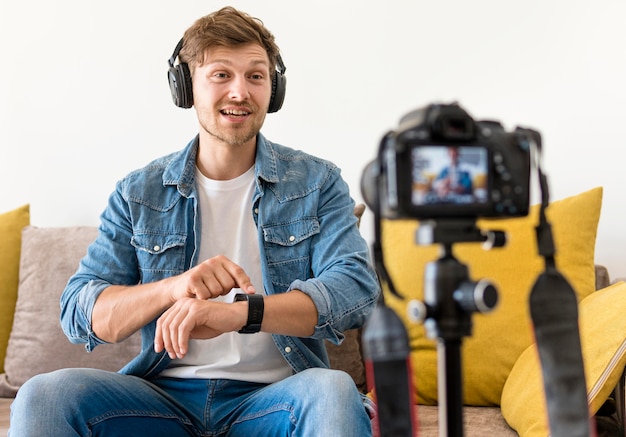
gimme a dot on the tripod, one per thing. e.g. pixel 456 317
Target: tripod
pixel 450 298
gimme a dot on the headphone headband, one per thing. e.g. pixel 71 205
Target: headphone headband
pixel 177 50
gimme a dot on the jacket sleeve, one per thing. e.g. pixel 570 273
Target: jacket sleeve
pixel 110 259
pixel 344 285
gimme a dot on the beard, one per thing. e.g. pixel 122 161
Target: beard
pixel 234 134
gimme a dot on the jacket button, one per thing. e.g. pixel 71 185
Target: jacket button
pixel 287 349
pixel 156 248
pixel 292 238
pixel 256 211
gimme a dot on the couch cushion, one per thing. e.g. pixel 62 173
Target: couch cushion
pixel 499 337
pixel 37 344
pixel 11 225
pixel 347 357
pixel 603 342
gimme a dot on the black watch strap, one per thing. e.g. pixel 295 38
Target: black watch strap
pixel 255 312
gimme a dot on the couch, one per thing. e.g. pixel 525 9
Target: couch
pixel 48 256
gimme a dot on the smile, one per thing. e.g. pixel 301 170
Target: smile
pixel 235 112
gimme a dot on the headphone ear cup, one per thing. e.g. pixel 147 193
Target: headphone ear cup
pixel 279 87
pixel 179 79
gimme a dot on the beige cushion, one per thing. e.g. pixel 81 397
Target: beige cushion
pixel 37 344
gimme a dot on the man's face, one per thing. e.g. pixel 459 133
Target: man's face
pixel 231 92
pixel 454 154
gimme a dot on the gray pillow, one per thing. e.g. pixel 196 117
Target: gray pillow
pixel 37 344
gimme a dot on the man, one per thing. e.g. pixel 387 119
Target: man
pixel 452 180
pixel 235 257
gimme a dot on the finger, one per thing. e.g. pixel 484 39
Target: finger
pixel 161 339
pixel 220 275
pixel 181 322
pixel 248 288
pixel 158 338
pixel 242 280
pixel 182 338
pixel 213 278
pixel 165 333
pixel 175 321
pixel 189 284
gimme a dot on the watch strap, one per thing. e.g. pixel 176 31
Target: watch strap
pixel 255 312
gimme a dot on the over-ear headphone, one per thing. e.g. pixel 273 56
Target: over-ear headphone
pixel 179 78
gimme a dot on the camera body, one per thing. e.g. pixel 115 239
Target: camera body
pixel 440 163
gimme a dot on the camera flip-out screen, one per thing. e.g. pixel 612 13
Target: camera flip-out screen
pixel 453 177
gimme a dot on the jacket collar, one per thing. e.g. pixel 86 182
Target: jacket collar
pixel 265 165
pixel 181 171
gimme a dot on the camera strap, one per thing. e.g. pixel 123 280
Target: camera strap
pixel 377 246
pixel 554 314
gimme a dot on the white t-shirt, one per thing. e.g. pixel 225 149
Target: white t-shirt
pixel 228 229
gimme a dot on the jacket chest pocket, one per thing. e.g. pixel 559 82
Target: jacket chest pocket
pixel 160 254
pixel 287 247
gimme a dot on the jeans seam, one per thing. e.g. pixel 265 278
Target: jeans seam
pixel 211 387
pixel 282 407
pixel 135 413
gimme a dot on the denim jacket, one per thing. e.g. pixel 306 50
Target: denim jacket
pixel 307 233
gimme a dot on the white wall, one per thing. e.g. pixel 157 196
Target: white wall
pixel 84 96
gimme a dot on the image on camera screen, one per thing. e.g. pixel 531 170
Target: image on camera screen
pixel 454 175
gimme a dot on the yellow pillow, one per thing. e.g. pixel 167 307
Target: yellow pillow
pixel 603 341
pixel 498 337
pixel 11 225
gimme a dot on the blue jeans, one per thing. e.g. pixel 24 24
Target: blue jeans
pixel 89 402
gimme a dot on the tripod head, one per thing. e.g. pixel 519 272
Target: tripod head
pixel 450 296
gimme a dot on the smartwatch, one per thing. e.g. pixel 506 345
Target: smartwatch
pixel 255 312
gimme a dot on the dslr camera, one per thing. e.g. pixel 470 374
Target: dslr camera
pixel 440 163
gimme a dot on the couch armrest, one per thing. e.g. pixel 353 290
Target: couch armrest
pixel 620 401
pixel 602 277
pixel 619 394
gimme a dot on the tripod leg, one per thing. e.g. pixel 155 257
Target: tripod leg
pixel 450 388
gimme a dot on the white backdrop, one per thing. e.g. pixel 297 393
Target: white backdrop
pixel 84 96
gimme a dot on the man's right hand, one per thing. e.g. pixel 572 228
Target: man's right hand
pixel 214 277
